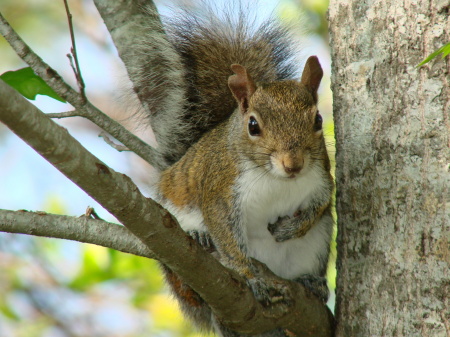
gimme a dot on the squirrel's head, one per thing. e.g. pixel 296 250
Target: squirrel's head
pixel 281 125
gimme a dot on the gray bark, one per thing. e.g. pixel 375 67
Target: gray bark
pixel 393 175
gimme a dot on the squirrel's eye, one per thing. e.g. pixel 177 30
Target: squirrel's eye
pixel 318 122
pixel 253 127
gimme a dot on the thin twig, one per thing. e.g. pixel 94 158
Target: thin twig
pixel 85 109
pixel 108 141
pixel 65 114
pixel 73 50
pixel 91 213
pixel 72 65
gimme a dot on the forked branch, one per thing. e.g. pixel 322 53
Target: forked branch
pixel 228 295
pixel 84 107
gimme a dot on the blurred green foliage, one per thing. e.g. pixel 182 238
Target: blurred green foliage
pixel 44 280
pixel 36 21
pixel 311 13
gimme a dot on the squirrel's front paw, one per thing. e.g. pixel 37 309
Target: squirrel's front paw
pixel 287 228
pixel 284 229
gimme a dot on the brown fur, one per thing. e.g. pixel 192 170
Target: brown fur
pixel 204 143
pixel 205 176
pixel 184 74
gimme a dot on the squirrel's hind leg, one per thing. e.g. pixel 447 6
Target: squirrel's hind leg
pixel 315 284
pixel 191 304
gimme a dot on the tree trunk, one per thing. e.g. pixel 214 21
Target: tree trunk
pixel 393 152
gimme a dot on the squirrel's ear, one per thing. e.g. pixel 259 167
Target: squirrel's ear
pixel 312 74
pixel 241 85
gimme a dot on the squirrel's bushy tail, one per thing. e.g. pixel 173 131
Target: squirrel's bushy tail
pixel 185 81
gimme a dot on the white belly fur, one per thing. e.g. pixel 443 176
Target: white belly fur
pixel 264 199
pixel 267 198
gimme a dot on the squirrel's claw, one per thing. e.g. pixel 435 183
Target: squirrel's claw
pixel 203 238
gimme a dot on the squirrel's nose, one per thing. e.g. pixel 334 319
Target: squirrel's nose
pixel 292 167
pixel 292 164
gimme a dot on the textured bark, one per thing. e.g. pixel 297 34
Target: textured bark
pixel 392 139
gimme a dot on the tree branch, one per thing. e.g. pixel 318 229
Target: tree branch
pixel 81 229
pixel 155 69
pixel 128 21
pixel 84 107
pixel 224 290
pixel 111 143
pixel 65 114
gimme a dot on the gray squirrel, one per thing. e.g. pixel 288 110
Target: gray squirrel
pixel 246 171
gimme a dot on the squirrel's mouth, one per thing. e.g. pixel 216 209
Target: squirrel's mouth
pixel 284 175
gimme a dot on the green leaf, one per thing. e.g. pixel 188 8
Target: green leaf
pixel 445 50
pixel 29 84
